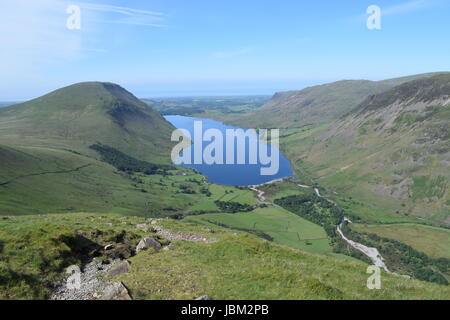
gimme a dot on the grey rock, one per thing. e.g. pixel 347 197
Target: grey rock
pixel 148 242
pixel 205 297
pixel 120 268
pixel 116 291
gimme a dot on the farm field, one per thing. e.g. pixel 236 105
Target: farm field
pixel 283 226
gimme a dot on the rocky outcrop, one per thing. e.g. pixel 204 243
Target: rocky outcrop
pixel 120 268
pixel 116 291
pixel 182 236
pixel 147 243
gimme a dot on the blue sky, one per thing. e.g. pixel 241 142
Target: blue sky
pixel 216 47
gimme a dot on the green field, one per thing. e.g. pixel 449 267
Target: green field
pixel 434 242
pixel 285 227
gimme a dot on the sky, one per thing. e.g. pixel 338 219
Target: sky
pixel 157 48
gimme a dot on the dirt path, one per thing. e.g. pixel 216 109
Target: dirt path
pixel 260 195
pixel 372 253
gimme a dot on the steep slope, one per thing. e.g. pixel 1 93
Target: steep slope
pixel 391 154
pixel 47 164
pixel 319 104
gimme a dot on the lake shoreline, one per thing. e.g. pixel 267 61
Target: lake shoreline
pixel 236 174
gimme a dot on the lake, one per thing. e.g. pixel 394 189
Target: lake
pixel 229 174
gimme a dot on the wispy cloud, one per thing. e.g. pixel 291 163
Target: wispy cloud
pixel 231 54
pixel 409 6
pixel 126 15
pixel 34 34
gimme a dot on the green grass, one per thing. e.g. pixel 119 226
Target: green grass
pixel 372 171
pixel 243 267
pixel 42 180
pixel 426 187
pixel 285 227
pixel 35 251
pixel 47 165
pixel 434 242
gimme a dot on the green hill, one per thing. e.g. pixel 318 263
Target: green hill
pixel 389 157
pixel 48 165
pixel 83 114
pixel 318 104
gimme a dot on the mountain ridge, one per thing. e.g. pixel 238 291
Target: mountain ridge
pixel 391 152
pixel 319 104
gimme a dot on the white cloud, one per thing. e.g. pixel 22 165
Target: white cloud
pixel 231 54
pixel 408 7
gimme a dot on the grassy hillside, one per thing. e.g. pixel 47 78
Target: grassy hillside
pixel 43 180
pixel 276 224
pixel 236 266
pixel 47 162
pixel 318 104
pixel 388 161
pixel 83 114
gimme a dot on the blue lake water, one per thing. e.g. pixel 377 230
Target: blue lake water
pixel 229 174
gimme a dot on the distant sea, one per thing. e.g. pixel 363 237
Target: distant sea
pixel 6 104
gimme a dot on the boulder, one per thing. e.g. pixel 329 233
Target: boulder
pixel 148 242
pixel 123 252
pixel 116 291
pixel 120 268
